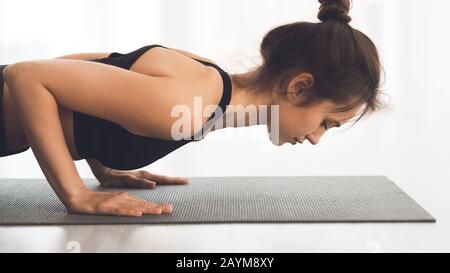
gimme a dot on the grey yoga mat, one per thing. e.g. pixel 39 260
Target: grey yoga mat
pixel 237 199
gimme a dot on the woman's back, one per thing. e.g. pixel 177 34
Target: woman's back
pixel 120 148
pixel 114 145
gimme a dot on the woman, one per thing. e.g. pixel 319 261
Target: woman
pixel 117 110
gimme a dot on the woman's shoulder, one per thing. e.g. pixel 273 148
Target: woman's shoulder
pixel 192 55
pixel 204 80
pixel 189 79
pixel 173 62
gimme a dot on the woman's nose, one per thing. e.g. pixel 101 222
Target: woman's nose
pixel 314 138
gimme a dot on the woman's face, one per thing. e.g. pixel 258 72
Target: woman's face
pixel 297 123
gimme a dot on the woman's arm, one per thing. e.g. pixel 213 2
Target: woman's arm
pixel 90 56
pixel 85 56
pixel 115 178
pixel 37 87
pixel 38 106
pixel 36 109
pixel 100 171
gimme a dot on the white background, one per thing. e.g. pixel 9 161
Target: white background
pixel 408 141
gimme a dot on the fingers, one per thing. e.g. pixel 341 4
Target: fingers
pixel 124 204
pixel 141 179
pixel 118 209
pixel 145 206
pixel 164 179
pixel 126 212
pixel 112 182
pixel 138 182
pixel 149 206
pixel 129 181
pixel 114 203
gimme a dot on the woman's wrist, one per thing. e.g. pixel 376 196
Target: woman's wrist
pixel 100 171
pixel 74 195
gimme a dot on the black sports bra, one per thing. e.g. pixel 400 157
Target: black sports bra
pixel 118 148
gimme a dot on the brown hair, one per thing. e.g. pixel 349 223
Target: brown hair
pixel 343 61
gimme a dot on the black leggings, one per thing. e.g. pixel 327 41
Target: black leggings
pixel 3 151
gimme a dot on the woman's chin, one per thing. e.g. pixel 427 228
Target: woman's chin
pixel 281 142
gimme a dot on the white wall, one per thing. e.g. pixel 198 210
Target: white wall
pixel 407 141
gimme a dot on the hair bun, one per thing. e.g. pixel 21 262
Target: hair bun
pixel 334 10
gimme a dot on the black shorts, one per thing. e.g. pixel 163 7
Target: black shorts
pixel 3 151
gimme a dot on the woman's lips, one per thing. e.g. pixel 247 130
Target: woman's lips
pixel 295 140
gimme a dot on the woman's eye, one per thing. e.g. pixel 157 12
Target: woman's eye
pixel 324 125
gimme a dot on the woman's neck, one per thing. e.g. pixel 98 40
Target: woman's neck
pixel 246 103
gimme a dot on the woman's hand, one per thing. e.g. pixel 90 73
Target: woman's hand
pixel 87 201
pixel 137 179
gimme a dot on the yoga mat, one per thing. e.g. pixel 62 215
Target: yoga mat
pixel 236 199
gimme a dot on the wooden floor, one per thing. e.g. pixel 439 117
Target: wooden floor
pixel 229 238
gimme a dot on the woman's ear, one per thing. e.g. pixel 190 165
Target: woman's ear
pixel 299 88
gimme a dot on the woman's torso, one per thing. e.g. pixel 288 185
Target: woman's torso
pixel 14 132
